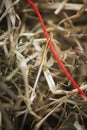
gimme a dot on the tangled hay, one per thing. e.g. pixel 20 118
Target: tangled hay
pixel 34 92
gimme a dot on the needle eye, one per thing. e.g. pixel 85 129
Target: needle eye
pixel 51 1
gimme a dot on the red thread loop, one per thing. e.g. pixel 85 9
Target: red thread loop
pixel 54 52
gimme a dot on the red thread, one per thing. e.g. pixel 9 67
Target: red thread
pixel 54 52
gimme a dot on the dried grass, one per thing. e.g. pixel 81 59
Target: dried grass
pixel 34 92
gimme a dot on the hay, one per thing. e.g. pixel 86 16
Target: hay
pixel 34 92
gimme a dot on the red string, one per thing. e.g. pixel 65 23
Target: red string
pixel 54 52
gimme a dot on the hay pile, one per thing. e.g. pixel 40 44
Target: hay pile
pixel 34 92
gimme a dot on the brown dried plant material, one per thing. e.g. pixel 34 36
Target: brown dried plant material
pixel 78 14
pixel 23 54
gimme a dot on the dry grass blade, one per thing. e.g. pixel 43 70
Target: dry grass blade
pixel 6 118
pixel 38 125
pixel 59 8
pixel 10 9
pixel 79 13
pixel 67 6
